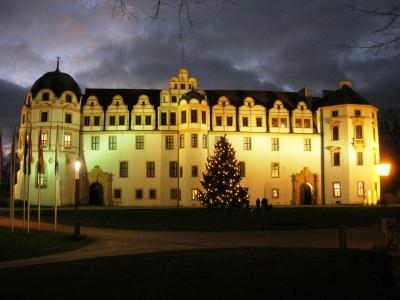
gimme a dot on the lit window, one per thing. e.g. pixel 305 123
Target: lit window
pixel 275 193
pixel 194 171
pixel 275 144
pixel 123 169
pixel 44 139
pixel 138 120
pixel 173 169
pixel 169 142
pixel 336 158
pixel 242 168
pixel 245 121
pixel 95 142
pixel 86 121
pixel 205 141
pixel 140 142
pixel 283 122
pixel 121 120
pixel 275 170
pixel 247 143
pixel 163 118
pixel 112 143
pixel 307 144
pixel 307 123
pixel 218 121
pixel 259 122
pixel 43 116
pixel 183 116
pixel 150 169
pixel 193 115
pixel 274 122
pixel 172 118
pixel 152 194
pixel 117 193
pixel 335 133
pixel 360 159
pixel 360 188
pixel 96 120
pixel 68 118
pixel 139 194
pixel 194 140
pixel 336 189
pixel 298 123
pixel 182 141
pixel 195 192
pixel 229 121
pixel 147 120
pixel 111 121
pixel 67 140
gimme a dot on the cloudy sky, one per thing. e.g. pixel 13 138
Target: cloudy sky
pixel 248 44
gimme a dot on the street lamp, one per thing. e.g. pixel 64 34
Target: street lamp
pixel 77 165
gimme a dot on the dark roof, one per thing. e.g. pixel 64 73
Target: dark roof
pixel 236 97
pixel 56 81
pixel 344 95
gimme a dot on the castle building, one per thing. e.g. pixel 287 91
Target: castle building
pixel 148 147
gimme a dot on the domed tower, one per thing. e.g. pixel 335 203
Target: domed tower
pixel 51 105
pixel 349 147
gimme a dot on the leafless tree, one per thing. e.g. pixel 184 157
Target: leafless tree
pixel 384 38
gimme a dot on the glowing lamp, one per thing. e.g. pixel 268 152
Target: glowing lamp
pixel 77 165
pixel 382 169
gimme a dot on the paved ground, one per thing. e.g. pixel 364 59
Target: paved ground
pixel 111 242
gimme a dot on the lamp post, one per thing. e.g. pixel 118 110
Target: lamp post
pixel 76 220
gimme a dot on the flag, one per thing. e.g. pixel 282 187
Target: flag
pixel 30 150
pixel 56 165
pixel 40 154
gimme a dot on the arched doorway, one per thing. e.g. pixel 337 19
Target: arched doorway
pixel 96 194
pixel 306 194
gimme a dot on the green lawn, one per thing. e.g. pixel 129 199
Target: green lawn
pixel 260 273
pixel 220 219
pixel 18 244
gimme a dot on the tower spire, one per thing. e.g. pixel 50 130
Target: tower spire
pixel 58 63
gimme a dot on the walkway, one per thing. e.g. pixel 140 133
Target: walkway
pixel 112 242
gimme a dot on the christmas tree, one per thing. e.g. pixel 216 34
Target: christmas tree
pixel 221 181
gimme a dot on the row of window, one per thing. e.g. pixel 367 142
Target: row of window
pixel 44 117
pixel 359 158
pixel 358 132
pixel 337 189
pixel 152 194
pixel 46 97
pixel 357 113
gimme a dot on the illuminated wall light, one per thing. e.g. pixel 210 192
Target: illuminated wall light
pixel 382 169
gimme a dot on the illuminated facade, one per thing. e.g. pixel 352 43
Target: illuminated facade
pixel 148 147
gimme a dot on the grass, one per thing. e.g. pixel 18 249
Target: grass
pixel 255 273
pixel 18 244
pixel 223 220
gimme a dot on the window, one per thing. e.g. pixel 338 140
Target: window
pixel 193 115
pixel 360 188
pixel 86 121
pixel 194 171
pixel 194 140
pixel 43 116
pixel 173 169
pixel 169 142
pixel 275 144
pixel 163 118
pixel 183 86
pixel 68 98
pixel 150 168
pixel 43 139
pixel 359 132
pixel 245 121
pixel 373 134
pixel 68 118
pixel 121 120
pixel 336 189
pixel 111 121
pixel 181 141
pixel 173 193
pixel 203 117
pixel 218 121
pixel 180 171
pixel 96 120
pixel 139 194
pixel 123 169
pixel 140 142
pixel 247 143
pixel 172 118
pixel 242 168
pixel 147 120
pixel 275 170
pixel 307 144
pixel 117 193
pixel 95 142
pixel 67 140
pixel 357 113
pixel 152 194
pixel 360 159
pixel 23 119
pixel 112 143
pixel 334 113
pixel 336 158
pixel 335 133
pixel 138 120
pixel 195 192
pixel 283 122
pixel 274 122
pixel 275 193
pixel 173 99
pixel 183 116
pixel 297 122
pixel 258 122
pixel 45 96
pixel 307 123
pixel 205 141
pixel 229 121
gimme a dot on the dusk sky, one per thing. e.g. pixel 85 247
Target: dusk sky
pixel 252 44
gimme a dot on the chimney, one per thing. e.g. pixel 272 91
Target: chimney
pixel 308 91
pixel 345 82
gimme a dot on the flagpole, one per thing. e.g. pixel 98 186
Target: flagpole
pixel 12 180
pixel 29 177
pixel 40 170
pixel 56 174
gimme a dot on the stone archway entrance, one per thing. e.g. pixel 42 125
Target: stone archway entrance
pixel 96 194
pixel 305 188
